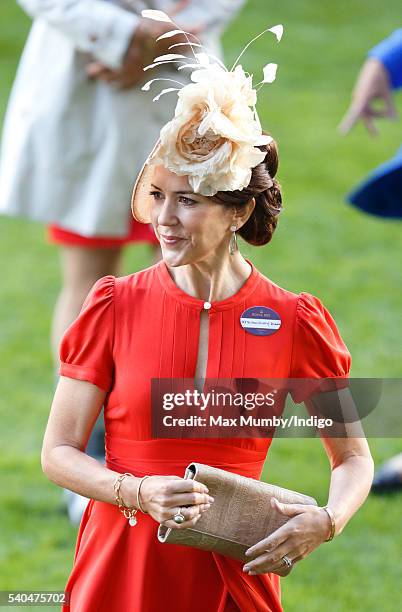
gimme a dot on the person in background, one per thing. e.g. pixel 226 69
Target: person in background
pixel 381 193
pixel 78 128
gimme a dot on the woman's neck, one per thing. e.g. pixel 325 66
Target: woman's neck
pixel 214 279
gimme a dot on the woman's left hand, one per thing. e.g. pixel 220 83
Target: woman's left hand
pixel 307 527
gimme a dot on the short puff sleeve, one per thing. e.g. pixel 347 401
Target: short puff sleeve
pixel 86 349
pixel 318 349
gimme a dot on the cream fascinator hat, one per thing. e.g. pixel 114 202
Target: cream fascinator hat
pixel 214 134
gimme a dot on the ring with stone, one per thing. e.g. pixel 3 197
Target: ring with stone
pixel 288 562
pixel 179 518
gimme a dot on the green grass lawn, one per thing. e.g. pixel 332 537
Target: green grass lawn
pixel 321 246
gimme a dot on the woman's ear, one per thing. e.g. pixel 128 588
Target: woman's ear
pixel 252 206
pixel 244 213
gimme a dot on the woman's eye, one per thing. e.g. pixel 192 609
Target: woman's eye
pixel 187 201
pixel 156 194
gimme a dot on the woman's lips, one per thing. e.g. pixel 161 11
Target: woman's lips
pixel 170 240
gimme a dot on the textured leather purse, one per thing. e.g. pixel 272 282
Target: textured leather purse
pixel 240 516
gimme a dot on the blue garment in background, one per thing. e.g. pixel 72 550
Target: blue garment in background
pixel 389 52
pixel 380 193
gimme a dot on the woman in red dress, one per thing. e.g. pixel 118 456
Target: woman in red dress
pixel 181 319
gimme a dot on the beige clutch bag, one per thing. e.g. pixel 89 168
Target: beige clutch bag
pixel 240 516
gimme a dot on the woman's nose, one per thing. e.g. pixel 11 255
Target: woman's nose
pixel 167 213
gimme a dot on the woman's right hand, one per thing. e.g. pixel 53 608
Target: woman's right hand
pixel 142 50
pixel 164 496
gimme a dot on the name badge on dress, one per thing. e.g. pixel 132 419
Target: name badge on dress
pixel 260 321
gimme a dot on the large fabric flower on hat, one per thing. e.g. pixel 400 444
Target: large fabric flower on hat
pixel 214 136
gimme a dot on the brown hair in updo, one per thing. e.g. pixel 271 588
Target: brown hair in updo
pixel 260 226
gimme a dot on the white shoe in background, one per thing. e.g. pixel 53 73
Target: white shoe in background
pixel 76 505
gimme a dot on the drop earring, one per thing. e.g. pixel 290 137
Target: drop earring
pixel 233 240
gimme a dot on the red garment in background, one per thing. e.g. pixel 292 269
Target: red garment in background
pixel 143 326
pixel 138 232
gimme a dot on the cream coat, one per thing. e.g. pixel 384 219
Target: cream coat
pixel 71 147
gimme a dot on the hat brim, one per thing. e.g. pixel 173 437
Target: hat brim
pixel 140 199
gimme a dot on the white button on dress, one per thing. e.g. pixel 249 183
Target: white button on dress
pixel 207 305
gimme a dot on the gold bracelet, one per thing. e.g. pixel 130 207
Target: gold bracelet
pixel 332 519
pixel 138 495
pixel 129 513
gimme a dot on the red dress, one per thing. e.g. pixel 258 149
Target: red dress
pixel 143 326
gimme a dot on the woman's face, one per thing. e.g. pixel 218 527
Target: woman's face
pixel 190 227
